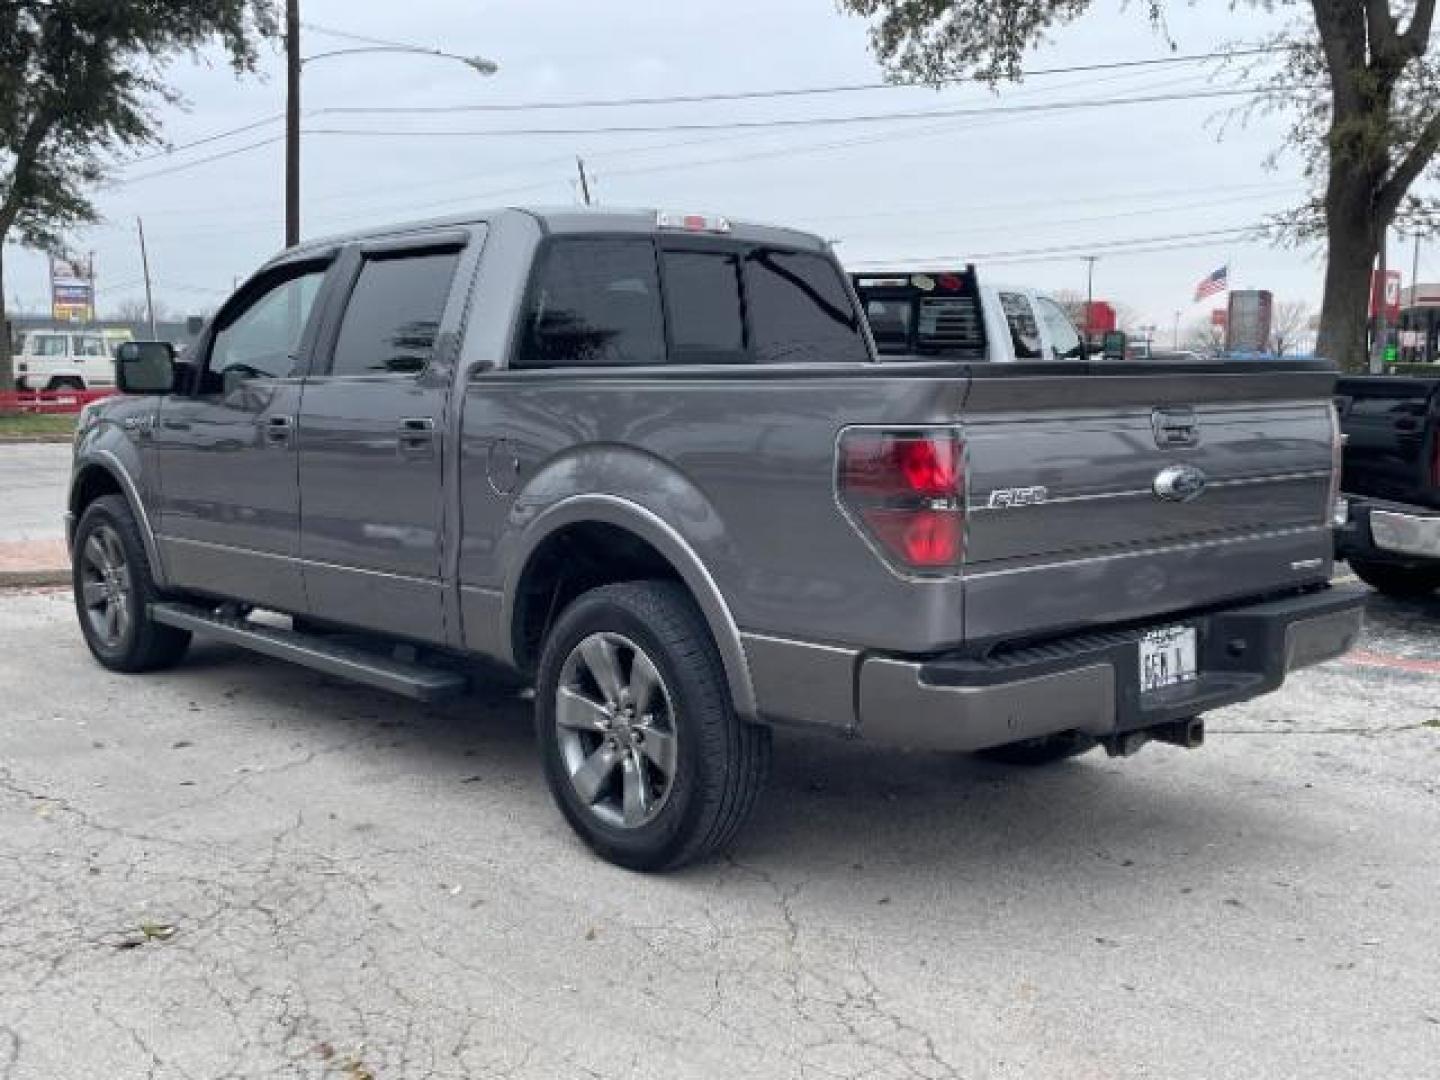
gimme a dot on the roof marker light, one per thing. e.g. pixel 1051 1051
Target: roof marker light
pixel 671 219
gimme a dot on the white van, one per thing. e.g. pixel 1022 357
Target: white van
pixel 64 360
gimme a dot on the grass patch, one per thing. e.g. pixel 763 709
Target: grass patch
pixel 22 425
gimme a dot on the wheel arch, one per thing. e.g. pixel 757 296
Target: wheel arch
pixel 626 541
pixel 102 474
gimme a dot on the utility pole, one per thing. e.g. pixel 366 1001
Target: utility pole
pixel 1422 353
pixel 292 123
pixel 1377 344
pixel 584 180
pixel 1177 331
pixel 1089 297
pixel 145 266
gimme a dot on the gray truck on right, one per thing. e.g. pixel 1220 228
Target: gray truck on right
pixel 1391 478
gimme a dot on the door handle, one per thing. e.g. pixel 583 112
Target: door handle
pixel 417 437
pixel 278 430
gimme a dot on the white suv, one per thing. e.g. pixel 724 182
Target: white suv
pixel 62 360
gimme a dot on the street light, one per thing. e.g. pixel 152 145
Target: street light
pixel 294 61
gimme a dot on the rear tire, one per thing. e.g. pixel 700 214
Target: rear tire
pixel 641 746
pixel 1045 751
pixel 1401 582
pixel 114 590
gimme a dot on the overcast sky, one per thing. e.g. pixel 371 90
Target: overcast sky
pixel 927 192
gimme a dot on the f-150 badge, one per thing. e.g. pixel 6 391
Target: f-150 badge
pixel 1002 498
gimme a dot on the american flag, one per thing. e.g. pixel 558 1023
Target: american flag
pixel 1209 285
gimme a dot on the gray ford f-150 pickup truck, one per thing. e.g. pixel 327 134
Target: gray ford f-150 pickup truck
pixel 650 462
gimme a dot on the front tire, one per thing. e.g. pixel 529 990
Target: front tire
pixel 1401 582
pixel 641 746
pixel 114 590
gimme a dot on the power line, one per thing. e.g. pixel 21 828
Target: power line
pixel 738 95
pixel 800 122
pixel 170 151
pixel 808 91
pixel 742 125
pixel 196 162
pixel 1064 250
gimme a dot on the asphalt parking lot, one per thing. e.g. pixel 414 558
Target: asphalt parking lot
pixel 243 869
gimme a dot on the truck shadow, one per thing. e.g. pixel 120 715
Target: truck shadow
pixel 833 810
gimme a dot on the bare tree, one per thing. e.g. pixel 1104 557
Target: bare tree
pixel 1289 321
pixel 1204 336
pixel 133 309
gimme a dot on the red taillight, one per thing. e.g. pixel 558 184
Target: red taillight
pixel 905 489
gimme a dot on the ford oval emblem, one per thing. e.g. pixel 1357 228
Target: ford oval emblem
pixel 1179 483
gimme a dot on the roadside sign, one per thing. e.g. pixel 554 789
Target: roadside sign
pixel 1388 293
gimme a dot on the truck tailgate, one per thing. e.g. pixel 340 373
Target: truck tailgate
pixel 1106 497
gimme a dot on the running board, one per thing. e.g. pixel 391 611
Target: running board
pixel 333 658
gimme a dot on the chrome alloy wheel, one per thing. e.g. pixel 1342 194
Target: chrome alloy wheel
pixel 105 586
pixel 615 725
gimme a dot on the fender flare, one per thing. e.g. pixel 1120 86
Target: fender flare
pixel 654 530
pixel 107 462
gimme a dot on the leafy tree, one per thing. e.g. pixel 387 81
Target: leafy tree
pixel 1356 77
pixel 80 82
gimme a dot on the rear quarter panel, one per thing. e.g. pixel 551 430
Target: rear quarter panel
pixel 740 462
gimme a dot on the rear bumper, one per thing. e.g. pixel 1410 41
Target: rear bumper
pixel 1091 683
pixel 1391 532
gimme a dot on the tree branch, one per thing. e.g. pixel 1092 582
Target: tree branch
pixel 1416 38
pixel 1384 32
pixel 1409 169
pixel 1342 38
pixel 25 154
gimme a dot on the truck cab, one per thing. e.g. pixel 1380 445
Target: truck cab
pixel 64 360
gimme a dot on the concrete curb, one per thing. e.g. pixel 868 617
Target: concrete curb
pixel 22 440
pixel 33 579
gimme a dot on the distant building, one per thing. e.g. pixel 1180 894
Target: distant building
pixel 1248 323
pixel 1420 324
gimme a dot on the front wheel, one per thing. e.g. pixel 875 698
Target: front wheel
pixel 642 749
pixel 114 591
pixel 1401 582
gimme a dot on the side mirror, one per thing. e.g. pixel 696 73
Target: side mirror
pixel 1112 346
pixel 145 367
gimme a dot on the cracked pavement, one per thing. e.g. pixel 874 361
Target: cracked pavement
pixel 243 869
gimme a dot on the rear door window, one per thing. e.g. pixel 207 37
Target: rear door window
pixel 1024 330
pixel 1063 336
pixel 393 316
pixel 702 289
pixel 595 302
pixel 800 310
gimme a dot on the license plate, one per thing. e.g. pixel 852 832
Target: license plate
pixel 1167 658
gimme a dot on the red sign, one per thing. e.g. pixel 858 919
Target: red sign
pixel 1219 317
pixel 1098 318
pixel 1390 291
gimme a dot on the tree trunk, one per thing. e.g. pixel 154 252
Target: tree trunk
pixel 1352 243
pixel 7 363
